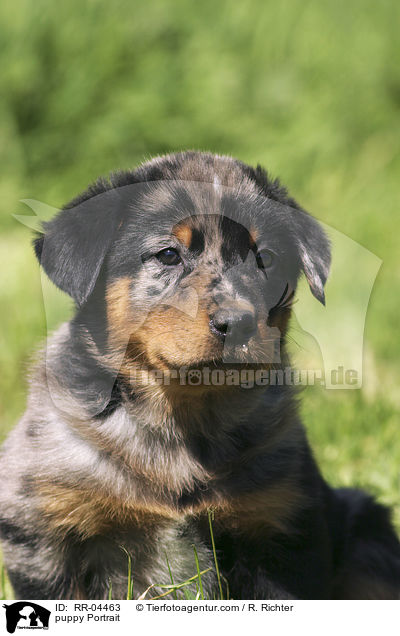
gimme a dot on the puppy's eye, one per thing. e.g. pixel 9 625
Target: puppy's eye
pixel 265 259
pixel 169 256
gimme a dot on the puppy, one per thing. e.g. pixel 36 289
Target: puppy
pixel 183 274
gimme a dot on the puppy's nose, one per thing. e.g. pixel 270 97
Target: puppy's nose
pixel 238 324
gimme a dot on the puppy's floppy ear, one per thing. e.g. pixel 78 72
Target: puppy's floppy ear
pixel 75 243
pixel 314 251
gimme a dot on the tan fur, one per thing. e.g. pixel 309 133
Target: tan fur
pixel 171 338
pixel 167 336
pixel 254 235
pixel 89 513
pixel 124 347
pixel 119 315
pixel 184 234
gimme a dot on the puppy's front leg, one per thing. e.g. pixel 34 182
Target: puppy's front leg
pixel 37 569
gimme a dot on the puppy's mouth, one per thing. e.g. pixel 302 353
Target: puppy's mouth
pixel 197 347
pixel 238 356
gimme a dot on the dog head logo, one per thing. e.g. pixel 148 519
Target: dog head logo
pixel 26 615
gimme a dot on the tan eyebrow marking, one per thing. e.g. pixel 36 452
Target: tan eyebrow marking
pixel 253 236
pixel 184 234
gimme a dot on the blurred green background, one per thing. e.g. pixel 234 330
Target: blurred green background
pixel 308 88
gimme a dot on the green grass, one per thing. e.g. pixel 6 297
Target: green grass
pixel 191 588
pixel 6 591
pixel 309 89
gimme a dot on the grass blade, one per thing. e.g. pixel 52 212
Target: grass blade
pixel 3 583
pixel 179 586
pixel 227 587
pixel 129 594
pixel 201 591
pixel 210 513
pixel 174 594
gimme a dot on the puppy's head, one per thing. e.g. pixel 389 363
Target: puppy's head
pixel 199 257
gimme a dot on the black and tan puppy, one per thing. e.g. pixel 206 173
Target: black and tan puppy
pixel 181 268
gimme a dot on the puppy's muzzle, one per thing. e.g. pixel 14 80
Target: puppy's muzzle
pixel 235 323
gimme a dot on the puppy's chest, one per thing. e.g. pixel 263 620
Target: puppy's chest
pixel 160 551
pixel 106 533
